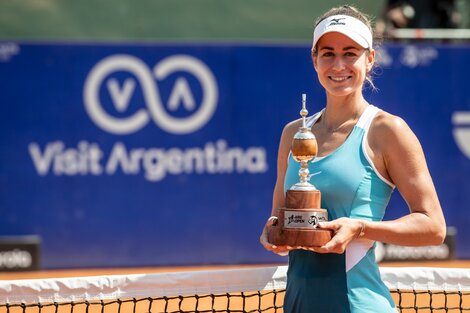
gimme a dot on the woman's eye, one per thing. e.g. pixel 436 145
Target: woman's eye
pixel 328 54
pixel 350 54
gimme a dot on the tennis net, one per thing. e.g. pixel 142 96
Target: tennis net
pixel 236 290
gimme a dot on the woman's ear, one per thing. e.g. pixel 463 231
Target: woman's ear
pixel 370 60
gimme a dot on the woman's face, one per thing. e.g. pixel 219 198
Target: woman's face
pixel 341 64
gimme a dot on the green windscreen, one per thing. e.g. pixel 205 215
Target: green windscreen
pixel 166 20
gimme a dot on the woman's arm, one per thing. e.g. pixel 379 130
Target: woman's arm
pixel 398 156
pixel 406 167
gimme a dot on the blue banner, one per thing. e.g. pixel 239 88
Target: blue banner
pixel 157 154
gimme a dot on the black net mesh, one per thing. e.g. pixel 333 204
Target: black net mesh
pixel 259 301
pixel 244 302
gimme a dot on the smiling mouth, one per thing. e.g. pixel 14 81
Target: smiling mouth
pixel 339 79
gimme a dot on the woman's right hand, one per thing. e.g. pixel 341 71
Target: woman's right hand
pixel 263 239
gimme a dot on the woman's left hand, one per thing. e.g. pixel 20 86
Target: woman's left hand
pixel 344 231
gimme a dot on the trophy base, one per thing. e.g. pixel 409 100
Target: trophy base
pixel 298 227
pixel 299 237
pixel 297 224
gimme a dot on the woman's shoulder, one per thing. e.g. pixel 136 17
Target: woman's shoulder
pixel 292 127
pixel 389 130
pixel 386 123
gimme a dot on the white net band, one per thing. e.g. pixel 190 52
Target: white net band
pixel 141 285
pixel 426 278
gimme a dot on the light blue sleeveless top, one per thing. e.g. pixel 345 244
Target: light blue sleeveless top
pixel 350 187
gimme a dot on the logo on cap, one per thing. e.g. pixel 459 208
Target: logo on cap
pixel 336 21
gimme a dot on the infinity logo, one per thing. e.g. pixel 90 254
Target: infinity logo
pixel 461 132
pixel 121 96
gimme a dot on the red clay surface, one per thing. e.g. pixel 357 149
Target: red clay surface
pixel 146 270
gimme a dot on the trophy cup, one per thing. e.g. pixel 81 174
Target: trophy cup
pixel 297 223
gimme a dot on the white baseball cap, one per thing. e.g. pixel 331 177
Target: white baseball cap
pixel 346 25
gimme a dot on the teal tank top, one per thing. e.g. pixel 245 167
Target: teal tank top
pixel 350 187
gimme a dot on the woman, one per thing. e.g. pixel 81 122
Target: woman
pixel 363 154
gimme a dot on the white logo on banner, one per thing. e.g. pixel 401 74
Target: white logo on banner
pixel 418 56
pixel 153 163
pixel 8 50
pixel 461 131
pixel 388 252
pixel 121 95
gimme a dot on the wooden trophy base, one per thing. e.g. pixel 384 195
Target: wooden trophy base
pixel 297 238
pixel 298 221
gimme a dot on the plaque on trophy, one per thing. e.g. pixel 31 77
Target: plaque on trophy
pixel 297 222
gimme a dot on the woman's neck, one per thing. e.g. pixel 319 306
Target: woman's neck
pixel 341 110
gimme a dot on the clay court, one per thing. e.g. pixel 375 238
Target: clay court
pixel 146 270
